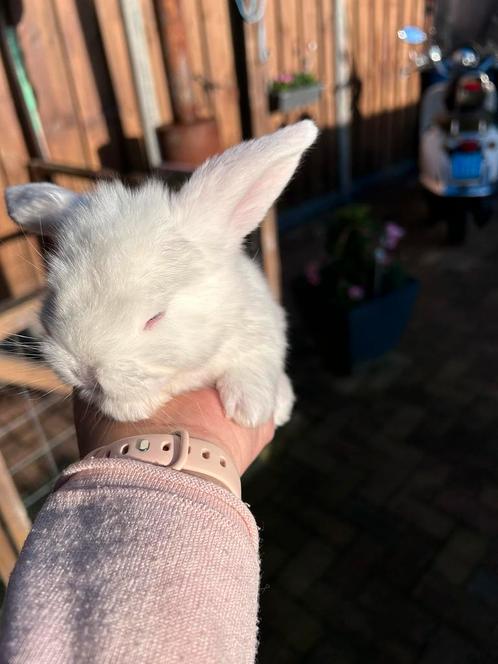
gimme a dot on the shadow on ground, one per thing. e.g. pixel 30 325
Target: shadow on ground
pixel 378 503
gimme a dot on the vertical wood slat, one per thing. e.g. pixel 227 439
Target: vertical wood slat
pixel 87 106
pixel 216 23
pixel 198 65
pixel 157 62
pixel 114 40
pixel 46 66
pixel 21 267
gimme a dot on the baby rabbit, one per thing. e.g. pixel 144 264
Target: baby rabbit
pixel 150 293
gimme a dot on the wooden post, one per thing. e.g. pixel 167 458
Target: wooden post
pixel 343 97
pixel 12 509
pixel 174 42
pixel 271 253
pixel 258 92
pixel 142 74
pixel 7 557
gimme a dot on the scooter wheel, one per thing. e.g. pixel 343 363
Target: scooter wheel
pixel 482 211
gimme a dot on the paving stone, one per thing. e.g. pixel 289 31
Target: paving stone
pixel 408 558
pixel 334 531
pixel 392 651
pixel 340 614
pixel 335 651
pixel 273 557
pixel 405 455
pixel 380 486
pixel 447 646
pixel 460 555
pixel 352 570
pixel 273 650
pixel 484 584
pixel 401 425
pixel 298 629
pixel 306 567
pixel 489 496
pixel 455 606
pixel 393 614
pixel 428 478
pixel 464 505
pixel 429 520
pixel 339 486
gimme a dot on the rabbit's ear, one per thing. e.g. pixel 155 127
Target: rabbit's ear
pixel 39 207
pixel 228 196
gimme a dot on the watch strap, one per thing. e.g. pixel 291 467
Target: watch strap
pixel 178 451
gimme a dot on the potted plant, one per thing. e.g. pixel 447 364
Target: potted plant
pixel 290 91
pixel 357 303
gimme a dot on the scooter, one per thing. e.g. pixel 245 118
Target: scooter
pixel 458 131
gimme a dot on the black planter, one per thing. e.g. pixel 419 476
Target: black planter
pixel 347 337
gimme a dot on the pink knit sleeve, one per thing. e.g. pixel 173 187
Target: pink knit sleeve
pixel 130 562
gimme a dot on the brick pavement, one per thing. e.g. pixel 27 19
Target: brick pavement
pixel 379 502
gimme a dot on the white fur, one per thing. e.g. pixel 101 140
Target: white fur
pixel 124 255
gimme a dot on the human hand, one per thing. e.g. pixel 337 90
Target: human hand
pixel 200 413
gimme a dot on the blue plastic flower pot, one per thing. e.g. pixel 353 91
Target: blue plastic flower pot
pixel 376 326
pixel 349 337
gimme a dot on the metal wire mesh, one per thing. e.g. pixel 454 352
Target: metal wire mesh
pixel 37 439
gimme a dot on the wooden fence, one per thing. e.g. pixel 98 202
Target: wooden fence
pixel 76 60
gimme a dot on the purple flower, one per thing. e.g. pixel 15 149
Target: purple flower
pixel 312 273
pixel 356 292
pixel 393 234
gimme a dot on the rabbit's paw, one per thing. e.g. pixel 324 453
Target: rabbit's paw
pixel 285 401
pixel 247 400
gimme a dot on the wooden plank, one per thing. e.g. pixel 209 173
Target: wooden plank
pixel 27 373
pixel 157 62
pixel 81 82
pixel 19 315
pixel 274 67
pixel 40 42
pixel 113 37
pixel 309 45
pixel 21 267
pixel 216 22
pixel 326 60
pixel 197 60
pixel 258 82
pixel 12 509
pixel 271 253
pixel 7 557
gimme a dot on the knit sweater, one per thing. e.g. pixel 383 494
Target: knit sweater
pixel 131 562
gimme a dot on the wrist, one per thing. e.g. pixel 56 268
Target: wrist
pixel 178 451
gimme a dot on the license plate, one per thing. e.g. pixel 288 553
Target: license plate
pixel 466 166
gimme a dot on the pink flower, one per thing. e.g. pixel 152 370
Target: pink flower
pixel 285 78
pixel 356 292
pixel 312 273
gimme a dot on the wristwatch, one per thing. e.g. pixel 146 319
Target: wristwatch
pixel 178 451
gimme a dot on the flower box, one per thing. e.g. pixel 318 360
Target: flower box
pixel 346 337
pixel 286 100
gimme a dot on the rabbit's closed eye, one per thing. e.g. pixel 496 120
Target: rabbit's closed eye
pixel 152 322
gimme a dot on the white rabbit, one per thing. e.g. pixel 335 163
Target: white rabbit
pixel 150 293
